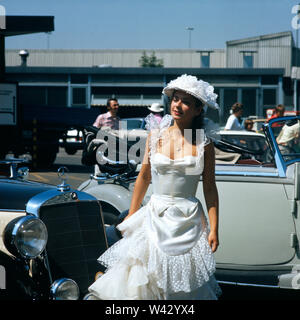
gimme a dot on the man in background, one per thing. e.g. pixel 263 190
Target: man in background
pixel 110 118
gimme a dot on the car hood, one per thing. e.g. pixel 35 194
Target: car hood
pixel 14 194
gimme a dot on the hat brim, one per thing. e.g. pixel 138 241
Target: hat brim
pixel 168 91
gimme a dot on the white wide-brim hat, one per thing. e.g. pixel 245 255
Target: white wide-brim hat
pixel 156 107
pixel 198 88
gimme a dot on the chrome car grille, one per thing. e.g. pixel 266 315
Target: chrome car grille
pixel 76 239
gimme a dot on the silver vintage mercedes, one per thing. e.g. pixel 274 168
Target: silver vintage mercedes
pixel 258 180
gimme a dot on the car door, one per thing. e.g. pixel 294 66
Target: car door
pixel 255 220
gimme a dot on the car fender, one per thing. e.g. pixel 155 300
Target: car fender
pixel 5 218
pixel 15 282
pixel 115 195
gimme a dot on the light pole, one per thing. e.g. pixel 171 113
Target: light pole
pixel 297 40
pixel 48 39
pixel 190 29
pixel 296 64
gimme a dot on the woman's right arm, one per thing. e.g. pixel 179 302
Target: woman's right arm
pixel 142 182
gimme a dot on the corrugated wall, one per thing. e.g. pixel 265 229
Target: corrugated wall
pixel 115 58
pixel 268 52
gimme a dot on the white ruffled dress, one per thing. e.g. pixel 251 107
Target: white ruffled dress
pixel 164 253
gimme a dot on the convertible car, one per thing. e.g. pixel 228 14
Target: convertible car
pixel 258 181
pixel 50 237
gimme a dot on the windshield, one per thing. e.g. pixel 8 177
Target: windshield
pixel 254 143
pixel 287 135
pixel 248 145
pixel 131 124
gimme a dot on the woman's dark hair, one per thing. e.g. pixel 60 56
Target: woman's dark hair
pixel 198 122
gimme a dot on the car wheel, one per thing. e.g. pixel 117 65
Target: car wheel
pixel 70 151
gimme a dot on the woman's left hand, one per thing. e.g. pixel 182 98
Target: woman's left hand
pixel 213 241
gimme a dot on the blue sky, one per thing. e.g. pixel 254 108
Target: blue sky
pixel 150 24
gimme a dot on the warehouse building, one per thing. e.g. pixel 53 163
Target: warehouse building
pixel 256 71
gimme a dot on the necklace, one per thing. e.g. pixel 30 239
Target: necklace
pixel 179 146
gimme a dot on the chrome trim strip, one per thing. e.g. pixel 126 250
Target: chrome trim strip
pixel 34 204
pixel 248 284
pixel 247 173
pixel 13 210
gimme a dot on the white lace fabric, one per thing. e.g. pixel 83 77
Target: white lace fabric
pixel 164 250
pixel 158 130
pixel 155 273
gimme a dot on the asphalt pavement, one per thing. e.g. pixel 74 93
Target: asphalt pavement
pixel 77 172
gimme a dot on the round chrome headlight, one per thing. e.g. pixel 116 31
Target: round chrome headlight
pixel 26 236
pixel 64 289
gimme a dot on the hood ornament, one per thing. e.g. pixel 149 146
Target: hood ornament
pixel 62 173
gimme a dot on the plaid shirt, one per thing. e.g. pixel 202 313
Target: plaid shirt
pixel 106 120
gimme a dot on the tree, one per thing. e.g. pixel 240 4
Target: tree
pixel 150 61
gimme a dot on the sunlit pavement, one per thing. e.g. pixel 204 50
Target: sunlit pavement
pixel 77 173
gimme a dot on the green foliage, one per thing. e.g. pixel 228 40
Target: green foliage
pixel 150 61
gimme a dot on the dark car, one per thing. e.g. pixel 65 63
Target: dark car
pixel 50 238
pixel 72 140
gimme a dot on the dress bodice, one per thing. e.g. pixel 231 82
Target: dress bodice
pixel 176 178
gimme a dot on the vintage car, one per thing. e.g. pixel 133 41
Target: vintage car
pixel 50 237
pixel 259 192
pixel 72 140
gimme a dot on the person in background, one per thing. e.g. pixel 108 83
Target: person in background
pixel 110 118
pixel 248 124
pixel 278 112
pixel 156 110
pixel 288 139
pixel 233 122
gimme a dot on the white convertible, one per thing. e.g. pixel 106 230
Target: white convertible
pixel 258 180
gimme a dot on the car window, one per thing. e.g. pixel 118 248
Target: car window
pixel 254 147
pixel 254 143
pixel 287 135
pixel 132 123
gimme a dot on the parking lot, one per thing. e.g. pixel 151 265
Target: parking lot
pixel 77 172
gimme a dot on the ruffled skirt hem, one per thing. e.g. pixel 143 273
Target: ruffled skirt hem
pixel 138 270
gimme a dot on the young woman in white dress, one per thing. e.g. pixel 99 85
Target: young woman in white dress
pixel 167 247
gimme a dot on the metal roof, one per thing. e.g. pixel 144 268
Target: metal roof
pixel 146 71
pixel 262 37
pixel 18 25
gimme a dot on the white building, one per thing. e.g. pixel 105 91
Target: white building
pixel 255 71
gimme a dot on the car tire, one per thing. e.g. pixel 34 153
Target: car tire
pixel 70 151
